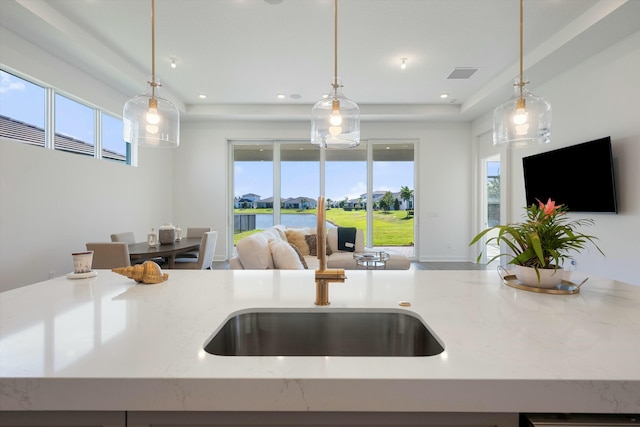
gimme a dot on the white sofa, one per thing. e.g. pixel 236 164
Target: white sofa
pixel 272 249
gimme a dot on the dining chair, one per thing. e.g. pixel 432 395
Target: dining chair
pixel 127 237
pixel 109 254
pixel 194 232
pixel 205 256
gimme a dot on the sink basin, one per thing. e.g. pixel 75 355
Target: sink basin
pixel 324 333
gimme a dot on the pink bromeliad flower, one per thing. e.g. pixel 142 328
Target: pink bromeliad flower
pixel 548 208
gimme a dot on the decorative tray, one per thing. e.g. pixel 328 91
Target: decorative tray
pixel 564 288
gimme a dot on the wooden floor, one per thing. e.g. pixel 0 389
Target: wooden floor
pixel 224 265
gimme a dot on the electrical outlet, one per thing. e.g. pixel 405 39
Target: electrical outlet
pixel 52 274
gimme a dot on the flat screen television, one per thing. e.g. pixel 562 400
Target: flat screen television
pixel 579 176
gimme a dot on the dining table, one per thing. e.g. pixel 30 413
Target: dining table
pixel 142 250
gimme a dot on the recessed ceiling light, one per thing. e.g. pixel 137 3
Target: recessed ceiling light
pixel 403 63
pixel 173 62
pixel 280 96
pixel 202 96
pixel 444 95
pixel 295 96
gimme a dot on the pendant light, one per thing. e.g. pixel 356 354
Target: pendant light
pixel 525 119
pixel 149 119
pixel 335 120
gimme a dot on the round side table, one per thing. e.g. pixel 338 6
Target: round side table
pixel 371 260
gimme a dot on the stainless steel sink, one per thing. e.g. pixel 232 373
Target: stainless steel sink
pixel 324 333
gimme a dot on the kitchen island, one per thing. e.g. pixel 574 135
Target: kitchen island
pixel 111 346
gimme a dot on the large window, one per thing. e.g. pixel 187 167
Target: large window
pixel 114 146
pixel 346 177
pixel 370 187
pixel 253 176
pixel 76 127
pixel 22 109
pixel 393 195
pixel 299 183
pixel 493 193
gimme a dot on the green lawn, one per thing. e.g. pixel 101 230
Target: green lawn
pixel 391 228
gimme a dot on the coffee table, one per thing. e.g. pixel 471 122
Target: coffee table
pixel 371 260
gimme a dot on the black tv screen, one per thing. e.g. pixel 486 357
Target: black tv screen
pixel 579 176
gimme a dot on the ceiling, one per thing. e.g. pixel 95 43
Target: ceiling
pixel 242 53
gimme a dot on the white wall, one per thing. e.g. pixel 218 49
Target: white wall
pixel 443 168
pixel 597 98
pixel 52 202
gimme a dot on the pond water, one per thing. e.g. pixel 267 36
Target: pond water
pixel 290 220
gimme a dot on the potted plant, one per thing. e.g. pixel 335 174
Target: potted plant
pixel 540 244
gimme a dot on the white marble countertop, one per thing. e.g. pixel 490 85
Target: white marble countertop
pixel 107 343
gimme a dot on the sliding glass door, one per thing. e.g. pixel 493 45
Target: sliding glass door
pixel 393 195
pixel 253 172
pixel 299 183
pixel 346 187
pixel 370 187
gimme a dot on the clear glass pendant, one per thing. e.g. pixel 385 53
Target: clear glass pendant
pixel 522 121
pixel 151 120
pixel 335 122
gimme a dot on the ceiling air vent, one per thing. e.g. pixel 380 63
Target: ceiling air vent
pixel 462 73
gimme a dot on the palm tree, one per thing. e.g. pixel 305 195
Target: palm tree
pixel 406 195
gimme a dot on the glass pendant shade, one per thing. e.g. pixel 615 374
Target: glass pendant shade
pixel 151 120
pixel 335 122
pixel 522 121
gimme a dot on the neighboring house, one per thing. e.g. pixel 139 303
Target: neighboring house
pixel 266 203
pixel 404 205
pixel 353 204
pixel 375 197
pixel 300 203
pixel 246 201
pixel 253 201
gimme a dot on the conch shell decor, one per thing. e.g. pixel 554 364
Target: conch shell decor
pixel 148 272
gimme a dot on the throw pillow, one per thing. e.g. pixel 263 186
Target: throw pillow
pixel 302 260
pixel 284 256
pixel 254 252
pixel 312 243
pixel 297 239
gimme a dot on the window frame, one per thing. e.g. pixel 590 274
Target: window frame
pixel 49 131
pixel 277 143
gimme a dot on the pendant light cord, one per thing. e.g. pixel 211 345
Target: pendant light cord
pixel 521 83
pixel 335 46
pixel 153 50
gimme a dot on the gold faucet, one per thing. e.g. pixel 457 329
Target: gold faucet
pixel 324 276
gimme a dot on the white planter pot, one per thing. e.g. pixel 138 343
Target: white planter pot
pixel 549 277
